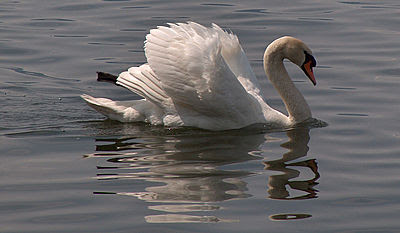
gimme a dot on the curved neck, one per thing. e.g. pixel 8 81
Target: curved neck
pixel 294 101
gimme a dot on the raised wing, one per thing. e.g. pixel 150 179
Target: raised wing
pixel 237 61
pixel 189 61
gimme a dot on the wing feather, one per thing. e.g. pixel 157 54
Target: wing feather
pixel 195 70
pixel 237 61
pixel 144 82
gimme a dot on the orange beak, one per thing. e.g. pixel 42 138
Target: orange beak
pixel 307 68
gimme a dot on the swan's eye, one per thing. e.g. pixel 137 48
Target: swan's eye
pixel 310 58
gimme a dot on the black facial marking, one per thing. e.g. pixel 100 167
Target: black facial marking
pixel 310 58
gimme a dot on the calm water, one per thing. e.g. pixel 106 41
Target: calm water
pixel 64 168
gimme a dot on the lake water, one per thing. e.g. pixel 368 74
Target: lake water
pixel 64 168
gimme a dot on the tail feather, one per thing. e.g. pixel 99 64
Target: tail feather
pixel 126 111
pixel 115 110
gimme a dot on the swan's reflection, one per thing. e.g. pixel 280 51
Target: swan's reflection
pixel 298 148
pixel 192 171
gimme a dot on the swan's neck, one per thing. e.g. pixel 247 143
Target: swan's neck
pixel 295 103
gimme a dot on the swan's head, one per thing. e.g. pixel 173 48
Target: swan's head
pixel 297 52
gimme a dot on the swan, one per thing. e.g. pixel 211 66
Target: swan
pixel 200 77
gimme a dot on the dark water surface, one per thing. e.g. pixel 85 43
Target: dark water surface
pixel 64 168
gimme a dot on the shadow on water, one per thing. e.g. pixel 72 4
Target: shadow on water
pixel 189 171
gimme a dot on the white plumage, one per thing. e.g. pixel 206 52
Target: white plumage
pixel 200 77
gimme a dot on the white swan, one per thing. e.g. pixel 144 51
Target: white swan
pixel 200 77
